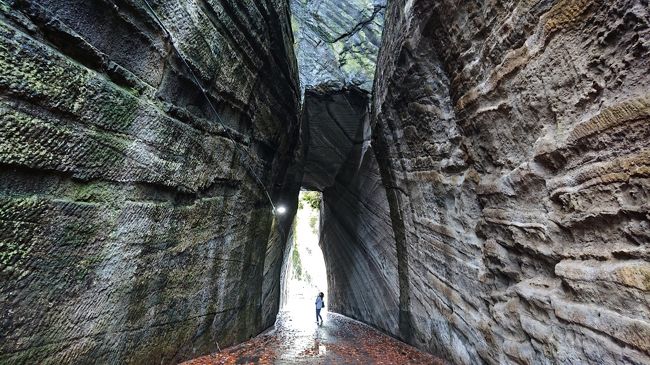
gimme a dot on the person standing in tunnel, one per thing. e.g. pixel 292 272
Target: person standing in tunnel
pixel 320 303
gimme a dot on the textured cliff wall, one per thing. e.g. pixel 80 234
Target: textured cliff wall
pixel 336 46
pixel 337 41
pixel 131 227
pixel 358 245
pixel 514 138
pixel 356 236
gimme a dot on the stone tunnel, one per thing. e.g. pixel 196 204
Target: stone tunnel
pixel 484 169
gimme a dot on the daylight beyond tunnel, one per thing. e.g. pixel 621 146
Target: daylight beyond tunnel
pixel 356 234
pixel 304 274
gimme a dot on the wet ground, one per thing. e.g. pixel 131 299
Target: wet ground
pixel 297 339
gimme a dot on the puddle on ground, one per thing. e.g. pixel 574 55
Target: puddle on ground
pixel 297 339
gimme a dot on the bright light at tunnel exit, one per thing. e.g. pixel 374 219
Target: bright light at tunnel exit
pixel 304 271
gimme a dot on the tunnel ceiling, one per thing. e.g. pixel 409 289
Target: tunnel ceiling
pixel 336 45
pixel 333 124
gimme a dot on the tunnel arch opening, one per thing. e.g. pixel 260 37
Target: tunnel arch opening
pixel 304 274
pixel 355 234
pixel 335 158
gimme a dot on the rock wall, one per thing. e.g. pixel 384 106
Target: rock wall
pixel 356 236
pixel 337 41
pixel 514 140
pixel 358 245
pixel 132 228
pixel 337 44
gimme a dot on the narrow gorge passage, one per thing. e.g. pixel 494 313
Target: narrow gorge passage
pixel 296 337
pixel 482 167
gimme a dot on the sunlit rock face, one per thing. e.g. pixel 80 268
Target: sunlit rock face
pixel 337 41
pixel 514 140
pixel 131 228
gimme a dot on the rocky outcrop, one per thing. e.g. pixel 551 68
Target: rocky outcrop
pixel 513 140
pixel 133 228
pixel 337 41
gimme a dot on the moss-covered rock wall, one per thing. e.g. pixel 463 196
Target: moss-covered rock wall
pixel 132 227
pixel 337 41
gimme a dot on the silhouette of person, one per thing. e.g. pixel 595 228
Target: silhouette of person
pixel 320 303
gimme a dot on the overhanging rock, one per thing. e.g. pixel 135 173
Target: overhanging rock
pixel 333 123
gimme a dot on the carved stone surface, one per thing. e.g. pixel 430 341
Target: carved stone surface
pixel 514 138
pixel 132 229
pixel 337 41
pixel 336 46
pixel 333 124
pixel 356 235
pixel 492 208
pixel 358 245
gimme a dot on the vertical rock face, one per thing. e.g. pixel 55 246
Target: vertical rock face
pixel 358 245
pixel 356 236
pixel 132 228
pixel 337 45
pixel 514 139
pixel 337 41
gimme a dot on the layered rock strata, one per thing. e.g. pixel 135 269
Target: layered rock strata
pixel 358 245
pixel 133 228
pixel 514 141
